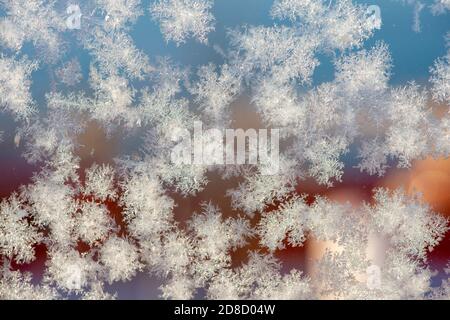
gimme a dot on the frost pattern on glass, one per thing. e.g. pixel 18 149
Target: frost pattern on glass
pixel 109 222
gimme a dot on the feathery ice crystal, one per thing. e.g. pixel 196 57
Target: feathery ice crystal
pixel 109 221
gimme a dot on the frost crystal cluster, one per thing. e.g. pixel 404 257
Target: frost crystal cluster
pixel 103 222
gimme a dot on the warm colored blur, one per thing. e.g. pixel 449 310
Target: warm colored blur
pixel 431 177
